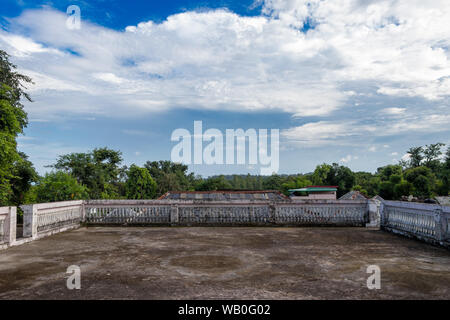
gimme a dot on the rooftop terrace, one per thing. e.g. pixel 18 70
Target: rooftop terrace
pixel 219 263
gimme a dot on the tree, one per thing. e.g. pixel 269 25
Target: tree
pixel 386 190
pixel 295 183
pixel 214 184
pixel 59 186
pixel 24 174
pixel 445 175
pixel 98 170
pixel 360 189
pixel 13 119
pixel 415 156
pixel 321 174
pixel 273 182
pixel 367 182
pixel 404 188
pixel 432 152
pixel 423 180
pixel 386 172
pixel 140 184
pixel 170 176
pixel 334 175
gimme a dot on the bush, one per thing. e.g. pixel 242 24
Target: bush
pixel 140 184
pixel 59 186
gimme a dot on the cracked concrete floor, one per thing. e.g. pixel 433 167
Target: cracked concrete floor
pixel 224 263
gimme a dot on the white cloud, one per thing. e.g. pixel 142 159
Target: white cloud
pixel 358 132
pixel 217 60
pixel 406 157
pixel 23 47
pixel 349 158
pixel 394 111
pixel 108 77
pixel 346 159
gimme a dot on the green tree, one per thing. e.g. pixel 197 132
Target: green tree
pixel 98 170
pixel 140 184
pixel 321 174
pixel 360 189
pixel 334 175
pixel 170 176
pixel 386 172
pixel 214 184
pixel 445 174
pixel 59 186
pixel 273 182
pixel 404 188
pixel 431 153
pixel 415 156
pixel 386 190
pixel 24 175
pixel 295 183
pixel 13 119
pixel 423 180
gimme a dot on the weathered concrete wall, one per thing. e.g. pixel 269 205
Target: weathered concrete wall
pixel 374 213
pixel 234 212
pixel 8 216
pixel 427 222
pixel 43 219
pixel 422 221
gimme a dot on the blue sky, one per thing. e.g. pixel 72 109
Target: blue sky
pixel 356 82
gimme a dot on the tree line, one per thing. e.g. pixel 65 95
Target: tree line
pixel 100 174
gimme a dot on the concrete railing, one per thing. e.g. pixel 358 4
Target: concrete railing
pixel 428 222
pixel 44 219
pixel 423 221
pixel 8 216
pixel 234 212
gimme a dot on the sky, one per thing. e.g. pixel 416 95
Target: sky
pixel 356 82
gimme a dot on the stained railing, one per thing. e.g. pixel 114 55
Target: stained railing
pixel 323 212
pixel 47 218
pixel 127 212
pixel 429 222
pixel 423 221
pixel 233 212
pixel 7 225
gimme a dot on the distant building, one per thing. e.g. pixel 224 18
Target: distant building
pixel 353 195
pixel 377 197
pixel 443 201
pixel 225 195
pixel 314 192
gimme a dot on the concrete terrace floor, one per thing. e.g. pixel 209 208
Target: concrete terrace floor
pixel 224 263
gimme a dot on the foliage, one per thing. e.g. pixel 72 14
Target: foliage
pixel 59 186
pixel 24 175
pixel 334 175
pixel 422 179
pixel 98 170
pixel 140 184
pixel 170 176
pixel 13 119
pixel 213 184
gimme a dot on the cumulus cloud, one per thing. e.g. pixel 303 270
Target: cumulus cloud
pixel 394 111
pixel 349 158
pixel 357 132
pixel 218 60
